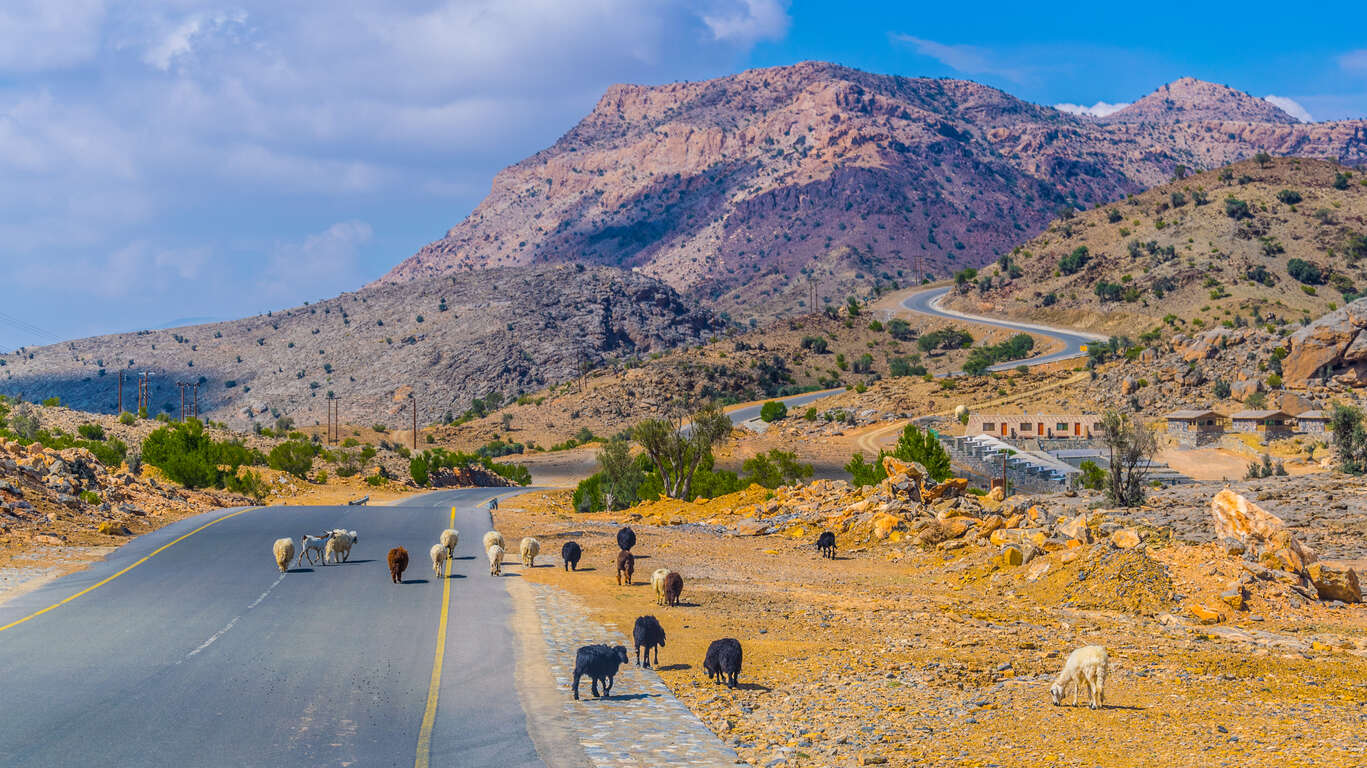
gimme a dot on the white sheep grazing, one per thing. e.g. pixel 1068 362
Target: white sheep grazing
pixel 657 580
pixel 495 554
pixel 339 545
pixel 449 539
pixel 491 538
pixel 1087 666
pixel 309 546
pixel 530 549
pixel 438 554
pixel 284 553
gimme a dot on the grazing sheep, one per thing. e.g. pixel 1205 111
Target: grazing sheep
pixel 1087 666
pixel 311 546
pixel 495 554
pixel 438 555
pixel 600 663
pixel 284 553
pixel 722 663
pixel 398 563
pixel 570 552
pixel 825 544
pixel 449 539
pixel 647 633
pixel 626 566
pixel 657 580
pixel 491 538
pixel 530 549
pixel 626 538
pixel 339 545
pixel 673 588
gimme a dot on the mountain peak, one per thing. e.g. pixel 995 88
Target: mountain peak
pixel 1188 100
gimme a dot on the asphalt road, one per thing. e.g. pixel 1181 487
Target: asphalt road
pixel 927 302
pixel 792 401
pixel 204 654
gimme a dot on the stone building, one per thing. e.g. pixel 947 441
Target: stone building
pixel 1268 425
pixel 1196 427
pixel 1045 426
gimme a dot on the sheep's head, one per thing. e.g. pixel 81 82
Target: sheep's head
pixel 1056 693
pixel 621 651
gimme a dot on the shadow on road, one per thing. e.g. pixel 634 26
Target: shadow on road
pixel 672 667
pixel 300 570
pixel 464 557
pixel 413 581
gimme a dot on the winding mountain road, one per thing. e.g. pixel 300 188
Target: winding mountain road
pixel 1074 343
pixel 187 647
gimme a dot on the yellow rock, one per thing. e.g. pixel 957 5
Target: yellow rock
pixel 1037 538
pixel 997 494
pixel 1234 598
pixel 1013 521
pixel 1033 513
pixel 1316 645
pixel 1238 518
pixel 1125 538
pixel 1011 556
pixel 1205 615
pixel 1335 583
pixel 883 524
pixel 991 523
pixel 1069 556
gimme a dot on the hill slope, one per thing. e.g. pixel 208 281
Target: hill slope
pixel 737 189
pixel 449 339
pixel 1163 252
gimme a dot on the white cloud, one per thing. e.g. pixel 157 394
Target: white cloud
pixel 1354 61
pixel 38 35
pixel 320 265
pixel 181 39
pixel 1290 107
pixel 756 20
pixel 966 59
pixel 1099 109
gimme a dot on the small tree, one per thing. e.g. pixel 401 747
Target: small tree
pixel 1093 476
pixel 677 450
pixel 1262 159
pixel 1131 446
pixel 620 476
pixel 776 468
pixel 293 456
pixel 25 422
pixel 772 411
pixel 1350 439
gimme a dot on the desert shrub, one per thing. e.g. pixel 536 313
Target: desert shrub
pixel 905 366
pixel 1305 272
pixel 1237 209
pixel 1289 196
pixel 189 457
pixel 91 431
pixel 816 344
pixel 1075 261
pixel 772 411
pixel 1221 389
pixel 1109 291
pixel 127 417
pixel 775 468
pixel 901 330
pixel 293 456
pixel 946 338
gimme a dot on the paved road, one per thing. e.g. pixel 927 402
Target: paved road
pixel 792 401
pixel 204 654
pixel 927 302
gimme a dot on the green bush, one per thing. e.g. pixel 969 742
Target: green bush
pixel 91 431
pixel 294 457
pixel 1075 261
pixel 901 330
pixel 189 457
pixel 1237 209
pixel 772 411
pixel 775 468
pixel 127 417
pixel 1305 272
pixel 1093 476
pixel 52 402
pixel 905 366
pixel 1289 196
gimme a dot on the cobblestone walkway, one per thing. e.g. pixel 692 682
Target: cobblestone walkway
pixel 641 725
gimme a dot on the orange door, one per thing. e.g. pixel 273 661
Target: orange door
pixel 1077 429
pixel 1003 429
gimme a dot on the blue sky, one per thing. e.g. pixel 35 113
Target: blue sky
pixel 190 159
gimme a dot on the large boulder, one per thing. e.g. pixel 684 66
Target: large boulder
pixel 1335 583
pixel 1327 345
pixel 1238 518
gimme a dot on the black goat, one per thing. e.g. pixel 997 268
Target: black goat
pixel 647 634
pixel 673 588
pixel 570 553
pixel 626 538
pixel 825 543
pixel 600 663
pixel 723 661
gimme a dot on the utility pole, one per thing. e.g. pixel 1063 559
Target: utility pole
pixel 194 412
pixel 334 419
pixel 145 393
pixel 182 385
pixel 119 407
pixel 413 401
pixel 811 291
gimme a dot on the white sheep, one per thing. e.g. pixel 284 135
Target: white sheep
pixel 309 546
pixel 1087 666
pixel 495 554
pixel 284 553
pixel 339 545
pixel 438 555
pixel 530 549
pixel 491 538
pixel 449 539
pixel 657 580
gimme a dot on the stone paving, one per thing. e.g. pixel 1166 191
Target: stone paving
pixel 641 725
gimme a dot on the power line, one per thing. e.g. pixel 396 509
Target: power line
pixel 27 327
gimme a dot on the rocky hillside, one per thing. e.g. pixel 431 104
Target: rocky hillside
pixel 1281 244
pixel 448 339
pixel 740 189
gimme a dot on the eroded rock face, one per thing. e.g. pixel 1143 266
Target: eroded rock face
pixel 1333 345
pixel 1335 583
pixel 1240 519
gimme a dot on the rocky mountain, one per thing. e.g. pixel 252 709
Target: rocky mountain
pixel 1189 100
pixel 752 190
pixel 447 339
pixel 1247 244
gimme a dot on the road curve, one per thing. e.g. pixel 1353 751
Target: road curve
pixel 927 302
pixel 204 654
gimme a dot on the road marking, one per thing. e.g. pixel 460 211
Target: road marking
pixel 429 716
pixel 229 625
pixel 140 561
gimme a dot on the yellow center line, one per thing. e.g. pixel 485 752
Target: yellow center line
pixel 140 561
pixel 429 716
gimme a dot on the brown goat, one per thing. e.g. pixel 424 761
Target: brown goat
pixel 626 564
pixel 673 588
pixel 398 563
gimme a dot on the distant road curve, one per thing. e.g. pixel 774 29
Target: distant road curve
pixel 927 302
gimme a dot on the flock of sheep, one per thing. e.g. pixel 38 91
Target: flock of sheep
pixel 1086 668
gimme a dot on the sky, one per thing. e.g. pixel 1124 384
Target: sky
pixel 182 161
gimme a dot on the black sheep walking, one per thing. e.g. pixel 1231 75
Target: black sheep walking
pixel 825 544
pixel 570 553
pixel 626 538
pixel 647 634
pixel 600 663
pixel 723 661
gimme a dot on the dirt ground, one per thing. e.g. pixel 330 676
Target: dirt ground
pixel 915 658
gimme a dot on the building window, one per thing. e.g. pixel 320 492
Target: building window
pixel 1061 427
pixel 988 426
pixel 1025 426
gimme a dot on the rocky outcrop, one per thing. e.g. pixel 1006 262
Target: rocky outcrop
pixel 1189 100
pixel 1335 583
pixel 1332 346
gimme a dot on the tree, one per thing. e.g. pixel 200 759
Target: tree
pixel 852 306
pixel 417 467
pixel 772 411
pixel 1093 476
pixel 1305 272
pixel 1237 209
pixel 1262 159
pixel 292 456
pixel 1131 446
pixel 864 473
pixel 1075 261
pixel 901 330
pixel 25 422
pixel 676 450
pixel 1289 196
pixel 621 476
pixel 776 468
pixel 1350 439
pixel 923 447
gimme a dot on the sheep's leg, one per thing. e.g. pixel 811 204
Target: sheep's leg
pixel 594 685
pixel 657 655
pixel 576 685
pixel 607 686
